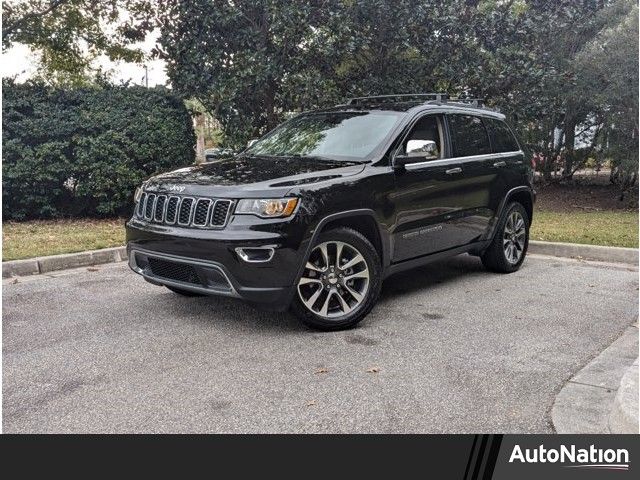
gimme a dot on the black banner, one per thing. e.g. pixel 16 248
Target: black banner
pixel 458 457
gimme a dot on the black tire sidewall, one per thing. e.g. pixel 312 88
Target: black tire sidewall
pixel 372 259
pixel 495 257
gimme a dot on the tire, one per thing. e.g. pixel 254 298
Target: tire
pixel 184 293
pixel 497 257
pixel 356 280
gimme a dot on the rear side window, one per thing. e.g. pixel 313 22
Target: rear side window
pixel 468 135
pixel 501 136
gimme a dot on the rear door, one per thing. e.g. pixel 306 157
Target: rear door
pixel 509 156
pixel 484 187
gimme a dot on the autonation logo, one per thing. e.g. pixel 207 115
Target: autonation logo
pixel 592 457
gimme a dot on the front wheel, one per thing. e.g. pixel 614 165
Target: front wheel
pixel 509 246
pixel 340 283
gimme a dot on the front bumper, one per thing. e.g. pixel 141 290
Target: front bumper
pixel 210 262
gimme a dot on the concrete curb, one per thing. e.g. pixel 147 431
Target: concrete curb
pixel 585 252
pixel 34 266
pixel 624 416
pixel 587 402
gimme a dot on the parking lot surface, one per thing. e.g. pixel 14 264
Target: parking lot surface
pixel 449 348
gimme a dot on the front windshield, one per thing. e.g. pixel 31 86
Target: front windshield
pixel 334 135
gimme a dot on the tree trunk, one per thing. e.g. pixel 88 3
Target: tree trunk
pixel 200 138
pixel 569 145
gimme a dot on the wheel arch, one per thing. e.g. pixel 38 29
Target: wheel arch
pixel 523 195
pixel 363 220
pixel 365 223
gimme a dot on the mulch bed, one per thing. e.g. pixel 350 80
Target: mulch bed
pixel 579 196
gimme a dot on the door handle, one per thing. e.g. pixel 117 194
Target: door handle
pixel 453 171
pixel 500 164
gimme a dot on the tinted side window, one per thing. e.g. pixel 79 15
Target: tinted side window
pixel 427 128
pixel 468 135
pixel 501 136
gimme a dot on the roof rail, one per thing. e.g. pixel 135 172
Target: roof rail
pixel 476 102
pixel 401 96
pixel 426 97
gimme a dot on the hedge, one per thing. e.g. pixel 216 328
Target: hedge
pixel 81 152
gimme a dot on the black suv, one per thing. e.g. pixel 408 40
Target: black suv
pixel 318 212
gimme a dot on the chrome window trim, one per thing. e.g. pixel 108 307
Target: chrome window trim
pixel 470 158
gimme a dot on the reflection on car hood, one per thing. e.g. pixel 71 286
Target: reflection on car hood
pixel 268 171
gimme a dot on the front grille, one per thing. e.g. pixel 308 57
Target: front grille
pixel 184 217
pixel 180 272
pixel 159 213
pixel 196 212
pixel 172 210
pixel 140 210
pixel 201 214
pixel 220 213
pixel 148 209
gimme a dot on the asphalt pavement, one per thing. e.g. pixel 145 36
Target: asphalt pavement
pixel 449 348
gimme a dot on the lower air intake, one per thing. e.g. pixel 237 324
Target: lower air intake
pixel 174 271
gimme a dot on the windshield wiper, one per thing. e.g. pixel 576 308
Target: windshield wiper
pixel 310 157
pixel 325 159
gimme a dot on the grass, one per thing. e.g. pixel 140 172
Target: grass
pixel 52 237
pixel 610 228
pixel 38 238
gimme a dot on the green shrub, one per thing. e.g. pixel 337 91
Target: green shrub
pixel 82 152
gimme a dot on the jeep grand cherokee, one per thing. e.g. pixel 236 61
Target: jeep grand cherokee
pixel 318 212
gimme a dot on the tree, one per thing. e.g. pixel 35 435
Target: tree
pixel 69 34
pixel 246 62
pixel 608 78
pixel 250 62
pixel 527 51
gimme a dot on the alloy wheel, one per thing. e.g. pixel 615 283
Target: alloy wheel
pixel 513 240
pixel 335 280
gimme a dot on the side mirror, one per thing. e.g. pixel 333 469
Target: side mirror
pixel 251 142
pixel 418 151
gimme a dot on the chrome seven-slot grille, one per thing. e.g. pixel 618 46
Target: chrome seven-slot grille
pixel 184 211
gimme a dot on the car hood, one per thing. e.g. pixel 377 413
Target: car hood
pixel 242 175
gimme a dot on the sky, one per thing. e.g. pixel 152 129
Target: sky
pixel 20 61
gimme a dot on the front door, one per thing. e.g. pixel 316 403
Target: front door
pixel 431 197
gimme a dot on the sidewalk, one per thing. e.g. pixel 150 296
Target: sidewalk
pixel 603 396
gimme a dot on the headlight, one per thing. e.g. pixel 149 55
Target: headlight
pixel 137 195
pixel 267 208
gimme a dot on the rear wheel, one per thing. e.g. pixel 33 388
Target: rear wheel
pixel 509 246
pixel 340 283
pixel 185 293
